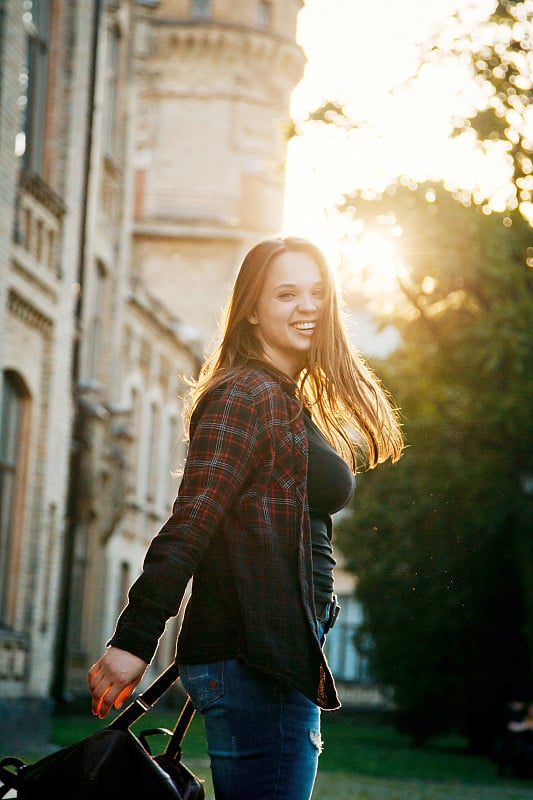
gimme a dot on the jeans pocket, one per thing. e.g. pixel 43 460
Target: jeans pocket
pixel 204 683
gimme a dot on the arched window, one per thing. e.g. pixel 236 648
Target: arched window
pixel 13 447
pixel 201 9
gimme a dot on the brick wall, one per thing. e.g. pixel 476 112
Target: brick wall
pixel 38 271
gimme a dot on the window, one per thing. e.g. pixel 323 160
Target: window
pixel 201 9
pixel 2 48
pixel 34 85
pixel 111 89
pixel 97 322
pixel 13 437
pixel 77 597
pixel 152 454
pixel 136 427
pixel 346 661
pixel 264 14
pixel 174 458
pixel 124 582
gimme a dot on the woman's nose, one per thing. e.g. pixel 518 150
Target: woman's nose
pixel 308 302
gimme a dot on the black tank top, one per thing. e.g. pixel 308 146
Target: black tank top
pixel 330 486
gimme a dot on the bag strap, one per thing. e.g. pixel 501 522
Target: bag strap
pixel 8 778
pixel 173 748
pixel 147 699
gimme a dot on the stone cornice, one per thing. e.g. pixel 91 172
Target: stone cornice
pixel 25 311
pixel 181 229
pixel 250 43
pixel 212 24
pixel 160 317
pixel 35 185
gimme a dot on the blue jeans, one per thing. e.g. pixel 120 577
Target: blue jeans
pixel 263 736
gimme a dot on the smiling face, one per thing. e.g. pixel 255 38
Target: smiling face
pixel 287 310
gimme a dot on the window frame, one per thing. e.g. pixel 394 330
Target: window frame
pixel 15 399
pixel 111 89
pixel 201 9
pixel 38 25
pixel 264 14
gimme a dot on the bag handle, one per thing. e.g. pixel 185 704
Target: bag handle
pixel 147 699
pixel 173 748
pixel 8 778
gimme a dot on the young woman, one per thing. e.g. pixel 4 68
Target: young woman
pixel 281 415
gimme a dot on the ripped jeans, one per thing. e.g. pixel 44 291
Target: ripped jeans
pixel 263 737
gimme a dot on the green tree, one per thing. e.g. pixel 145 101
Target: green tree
pixel 442 541
pixel 500 52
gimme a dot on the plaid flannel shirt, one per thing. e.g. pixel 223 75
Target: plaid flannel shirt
pixel 240 528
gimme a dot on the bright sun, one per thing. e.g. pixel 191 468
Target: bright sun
pixel 402 132
pixel 370 267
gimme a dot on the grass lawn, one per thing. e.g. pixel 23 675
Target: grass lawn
pixel 348 786
pixel 363 759
pixel 374 748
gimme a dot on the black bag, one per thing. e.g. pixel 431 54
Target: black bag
pixel 112 764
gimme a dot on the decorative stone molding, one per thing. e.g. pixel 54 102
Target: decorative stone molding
pixel 38 228
pixel 40 190
pixel 13 655
pixel 222 38
pixel 183 335
pixel 22 309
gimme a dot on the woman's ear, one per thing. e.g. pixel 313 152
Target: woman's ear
pixel 252 318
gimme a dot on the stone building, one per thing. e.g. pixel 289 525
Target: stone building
pixel 141 152
pixel 211 146
pixel 44 99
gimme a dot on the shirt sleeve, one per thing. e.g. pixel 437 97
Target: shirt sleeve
pixel 223 454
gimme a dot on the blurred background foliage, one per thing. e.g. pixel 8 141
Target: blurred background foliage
pixel 442 542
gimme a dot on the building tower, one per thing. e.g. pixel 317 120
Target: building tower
pixel 211 147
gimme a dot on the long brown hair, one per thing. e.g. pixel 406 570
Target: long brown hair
pixel 345 397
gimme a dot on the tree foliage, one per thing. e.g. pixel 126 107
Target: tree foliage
pixel 501 58
pixel 499 52
pixel 442 541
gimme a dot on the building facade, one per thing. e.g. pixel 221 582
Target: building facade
pixel 211 146
pixel 44 99
pixel 141 152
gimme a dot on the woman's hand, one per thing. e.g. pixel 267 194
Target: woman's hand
pixel 113 678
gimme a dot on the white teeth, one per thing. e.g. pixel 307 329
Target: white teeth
pixel 304 326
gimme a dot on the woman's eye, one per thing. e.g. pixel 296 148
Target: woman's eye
pixel 286 295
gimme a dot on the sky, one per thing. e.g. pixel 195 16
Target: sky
pixel 358 51
pixel 363 54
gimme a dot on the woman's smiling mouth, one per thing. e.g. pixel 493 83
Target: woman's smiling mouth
pixel 303 326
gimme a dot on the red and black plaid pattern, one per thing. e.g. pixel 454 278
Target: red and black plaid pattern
pixel 240 528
